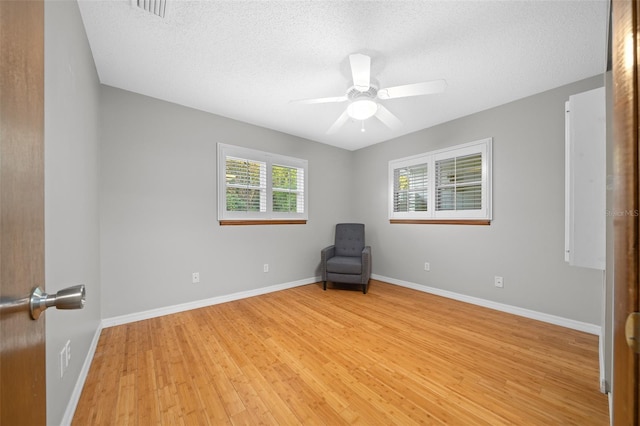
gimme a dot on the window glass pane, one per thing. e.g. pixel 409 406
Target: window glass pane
pixel 284 177
pixel 418 201
pixel 417 177
pixel 288 189
pixel 401 185
pixel 469 197
pixel 243 200
pixel 459 183
pixel 469 168
pixel 410 189
pixel 285 201
pixel 400 202
pixel 446 172
pixel 401 179
pixel 244 172
pixel 245 185
pixel 445 198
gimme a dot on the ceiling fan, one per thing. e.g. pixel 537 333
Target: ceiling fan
pixel 363 96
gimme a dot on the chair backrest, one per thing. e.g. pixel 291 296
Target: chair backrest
pixel 349 239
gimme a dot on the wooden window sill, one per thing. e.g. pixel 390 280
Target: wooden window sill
pixel 263 222
pixel 442 221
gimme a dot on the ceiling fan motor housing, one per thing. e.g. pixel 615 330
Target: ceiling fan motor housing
pixel 354 93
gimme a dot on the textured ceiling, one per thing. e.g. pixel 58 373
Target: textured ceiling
pixel 247 60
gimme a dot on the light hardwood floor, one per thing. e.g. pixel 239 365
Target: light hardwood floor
pixel 307 356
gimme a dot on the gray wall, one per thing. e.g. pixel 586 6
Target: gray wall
pixel 158 207
pixel 525 241
pixel 71 194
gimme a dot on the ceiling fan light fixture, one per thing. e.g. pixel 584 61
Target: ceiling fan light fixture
pixel 362 109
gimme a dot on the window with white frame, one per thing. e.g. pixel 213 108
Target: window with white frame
pixel 448 184
pixel 260 186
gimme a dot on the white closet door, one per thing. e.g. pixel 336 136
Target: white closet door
pixel 585 180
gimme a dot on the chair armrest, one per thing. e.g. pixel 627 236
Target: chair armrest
pixel 366 264
pixel 326 254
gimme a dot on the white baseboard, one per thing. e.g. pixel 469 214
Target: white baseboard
pixel 527 313
pixel 67 418
pixel 167 310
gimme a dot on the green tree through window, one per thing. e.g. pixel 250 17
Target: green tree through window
pixel 245 185
pixel 286 188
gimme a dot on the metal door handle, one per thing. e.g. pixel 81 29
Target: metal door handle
pixel 38 301
pixel 68 298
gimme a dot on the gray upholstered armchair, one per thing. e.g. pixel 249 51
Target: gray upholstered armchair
pixel 348 260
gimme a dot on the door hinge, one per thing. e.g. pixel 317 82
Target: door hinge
pixel 632 331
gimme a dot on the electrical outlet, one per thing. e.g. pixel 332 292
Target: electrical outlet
pixel 427 267
pixel 195 277
pixel 68 353
pixel 265 267
pixel 64 358
pixel 499 282
pixel 63 361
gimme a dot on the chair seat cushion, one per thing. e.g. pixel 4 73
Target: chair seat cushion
pixel 345 265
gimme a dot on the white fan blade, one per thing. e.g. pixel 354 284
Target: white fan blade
pixel 361 71
pixel 390 120
pixel 334 99
pixel 416 89
pixel 339 123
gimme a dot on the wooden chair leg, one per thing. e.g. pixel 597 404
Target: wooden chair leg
pixel 324 285
pixel 364 288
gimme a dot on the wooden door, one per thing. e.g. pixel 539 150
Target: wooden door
pixel 22 340
pixel 626 380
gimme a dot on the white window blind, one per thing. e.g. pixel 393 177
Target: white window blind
pixel 453 183
pixel 256 185
pixel 288 189
pixel 246 185
pixel 411 192
pixel 459 183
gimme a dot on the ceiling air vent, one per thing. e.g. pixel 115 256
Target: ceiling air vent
pixel 152 6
